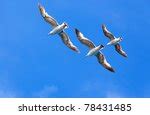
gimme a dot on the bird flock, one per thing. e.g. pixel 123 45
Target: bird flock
pixel 93 49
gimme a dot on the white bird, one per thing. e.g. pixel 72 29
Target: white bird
pixel 94 50
pixel 113 41
pixel 57 29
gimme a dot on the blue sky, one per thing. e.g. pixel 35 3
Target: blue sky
pixel 34 64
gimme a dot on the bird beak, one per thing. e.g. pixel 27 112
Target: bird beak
pixel 49 33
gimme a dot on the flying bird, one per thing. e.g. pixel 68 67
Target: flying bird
pixel 57 29
pixel 114 41
pixel 94 50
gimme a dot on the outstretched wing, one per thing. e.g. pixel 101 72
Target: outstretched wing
pixel 65 38
pixel 47 17
pixel 107 33
pixel 119 50
pixel 102 60
pixel 84 40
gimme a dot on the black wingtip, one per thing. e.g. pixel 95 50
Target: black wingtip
pixel 77 31
pixel 103 25
pixel 75 49
pixel 125 55
pixel 39 4
pixel 112 70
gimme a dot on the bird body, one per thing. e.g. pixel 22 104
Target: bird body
pixel 114 41
pixel 95 50
pixel 58 29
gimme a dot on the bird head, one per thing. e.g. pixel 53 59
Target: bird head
pixel 65 25
pixel 120 38
pixel 101 47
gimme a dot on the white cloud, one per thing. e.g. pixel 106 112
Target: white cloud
pixel 113 94
pixel 46 91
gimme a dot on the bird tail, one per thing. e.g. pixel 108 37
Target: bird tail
pixel 108 43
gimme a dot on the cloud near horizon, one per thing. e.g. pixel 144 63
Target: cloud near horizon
pixel 46 91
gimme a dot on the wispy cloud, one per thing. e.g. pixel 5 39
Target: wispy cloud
pixel 89 89
pixel 7 89
pixel 92 88
pixel 7 94
pixel 46 91
pixel 113 94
